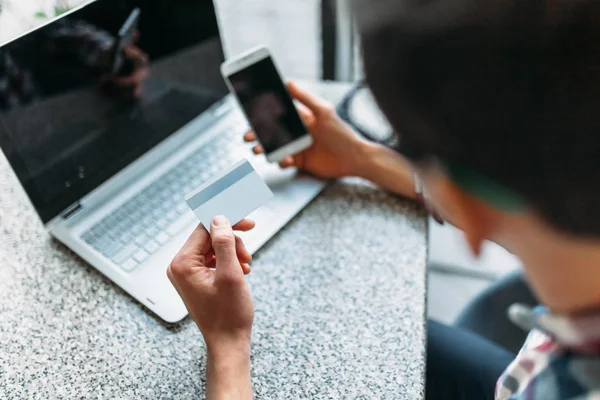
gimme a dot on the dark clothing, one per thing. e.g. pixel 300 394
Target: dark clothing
pixel 487 315
pixel 466 361
pixel 461 364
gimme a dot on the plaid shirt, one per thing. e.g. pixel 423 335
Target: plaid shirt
pixel 560 359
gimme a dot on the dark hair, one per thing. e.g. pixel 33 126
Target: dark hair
pixel 510 89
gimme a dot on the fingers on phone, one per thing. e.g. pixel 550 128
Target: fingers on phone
pixel 287 162
pixel 308 117
pixel 258 149
pixel 133 80
pixel 250 137
pixel 314 103
pixel 138 56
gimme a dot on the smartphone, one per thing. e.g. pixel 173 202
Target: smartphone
pixel 125 37
pixel 254 80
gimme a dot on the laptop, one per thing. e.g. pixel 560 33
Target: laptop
pixel 106 158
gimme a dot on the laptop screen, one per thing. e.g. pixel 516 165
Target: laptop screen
pixel 84 96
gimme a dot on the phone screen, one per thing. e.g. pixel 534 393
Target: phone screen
pixel 267 105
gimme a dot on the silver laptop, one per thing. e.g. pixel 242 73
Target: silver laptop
pixel 106 158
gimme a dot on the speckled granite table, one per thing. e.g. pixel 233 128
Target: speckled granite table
pixel 340 310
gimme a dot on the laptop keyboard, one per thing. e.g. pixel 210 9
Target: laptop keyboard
pixel 148 221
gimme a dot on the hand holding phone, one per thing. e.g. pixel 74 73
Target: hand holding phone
pixel 254 80
pixel 337 150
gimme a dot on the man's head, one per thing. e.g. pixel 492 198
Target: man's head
pixel 498 105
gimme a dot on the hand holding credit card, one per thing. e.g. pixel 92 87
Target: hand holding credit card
pixel 235 193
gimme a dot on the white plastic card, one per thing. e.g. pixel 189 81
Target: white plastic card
pixel 235 193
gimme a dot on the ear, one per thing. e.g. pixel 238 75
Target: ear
pixel 464 211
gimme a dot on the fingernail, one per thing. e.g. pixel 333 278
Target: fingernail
pixel 220 220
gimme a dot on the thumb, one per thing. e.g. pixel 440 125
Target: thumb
pixel 223 243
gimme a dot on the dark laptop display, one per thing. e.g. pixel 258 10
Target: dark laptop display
pixel 68 121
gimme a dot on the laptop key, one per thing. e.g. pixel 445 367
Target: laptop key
pixel 164 208
pixel 153 192
pixel 160 185
pixel 162 223
pixel 180 179
pixel 129 265
pixel 151 246
pixel 157 214
pixel 177 227
pixel 152 231
pixel 172 216
pixel 137 200
pixel 164 195
pixel 147 222
pixel 104 226
pixel 176 196
pixel 124 254
pixel 88 237
pixel 122 224
pixel 113 234
pixel 136 214
pixel 112 249
pixel 98 230
pixel 126 237
pixel 110 220
pixel 102 243
pixel 162 238
pixel 118 216
pixel 128 208
pixel 141 256
pixel 141 240
pixel 181 208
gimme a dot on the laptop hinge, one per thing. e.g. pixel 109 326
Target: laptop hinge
pixel 71 211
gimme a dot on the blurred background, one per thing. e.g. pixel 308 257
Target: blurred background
pixel 313 39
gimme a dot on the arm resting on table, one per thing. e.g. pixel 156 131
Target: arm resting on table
pixel 388 170
pixel 228 373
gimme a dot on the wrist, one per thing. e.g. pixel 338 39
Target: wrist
pixel 228 374
pixel 363 158
pixel 387 169
pixel 230 349
pixel 231 359
pixel 367 158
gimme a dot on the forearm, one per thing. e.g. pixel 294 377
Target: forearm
pixel 228 373
pixel 388 170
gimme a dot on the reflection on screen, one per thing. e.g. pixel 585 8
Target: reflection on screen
pixel 78 102
pixel 267 105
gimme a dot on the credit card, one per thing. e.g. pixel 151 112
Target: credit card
pixel 234 193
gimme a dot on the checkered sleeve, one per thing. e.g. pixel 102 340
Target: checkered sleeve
pixel 545 370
